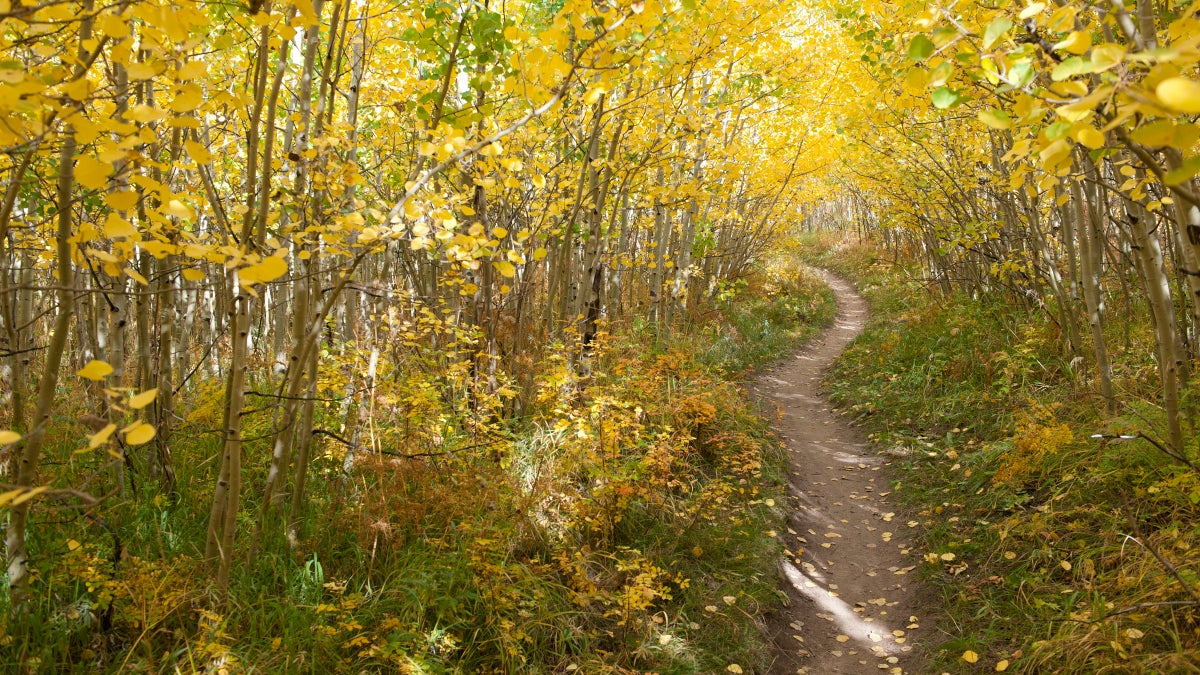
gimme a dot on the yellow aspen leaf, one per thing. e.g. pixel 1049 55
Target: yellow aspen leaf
pixel 1179 94
pixel 197 152
pixel 169 21
pixel 95 370
pixel 1077 42
pixel 121 200
pixel 104 256
pixel 734 668
pixel 116 227
pixel 7 497
pixel 78 89
pixel 539 254
pixel 143 71
pixel 970 656
pixel 193 274
pixel 144 114
pixel 7 437
pixel 995 119
pixel 28 494
pixel 505 268
pixel 1072 88
pixel 159 249
pixel 269 269
pixel 466 210
pixel 593 95
pixel 73 545
pixel 1106 56
pixel 191 71
pixel 143 399
pixel 308 15
pixel 1090 138
pixel 101 437
pixel 188 99
pixel 92 173
pixel 539 181
pixel 1001 665
pixel 1033 9
pixel 177 209
pixel 140 434
pixel 136 276
pixel 112 25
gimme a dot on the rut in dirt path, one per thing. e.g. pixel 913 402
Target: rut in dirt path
pixel 849 567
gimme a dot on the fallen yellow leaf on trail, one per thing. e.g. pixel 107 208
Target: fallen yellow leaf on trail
pixel 970 656
pixel 1002 665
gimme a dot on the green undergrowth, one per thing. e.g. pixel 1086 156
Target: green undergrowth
pixel 626 523
pixel 1053 550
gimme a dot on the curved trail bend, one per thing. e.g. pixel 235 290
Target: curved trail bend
pixel 849 566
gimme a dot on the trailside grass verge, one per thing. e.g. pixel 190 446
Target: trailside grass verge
pixel 1056 544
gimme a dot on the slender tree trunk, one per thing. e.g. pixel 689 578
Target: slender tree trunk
pixel 29 459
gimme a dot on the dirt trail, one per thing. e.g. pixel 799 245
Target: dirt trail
pixel 855 599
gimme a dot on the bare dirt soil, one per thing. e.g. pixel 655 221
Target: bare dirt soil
pixel 850 568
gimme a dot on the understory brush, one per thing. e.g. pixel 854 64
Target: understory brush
pixel 1062 539
pixel 625 522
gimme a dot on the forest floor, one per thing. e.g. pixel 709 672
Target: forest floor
pixel 855 601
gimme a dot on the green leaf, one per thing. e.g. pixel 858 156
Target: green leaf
pixel 920 48
pixel 1189 168
pixel 1022 72
pixel 996 119
pixel 1057 130
pixel 995 31
pixel 1069 67
pixel 944 97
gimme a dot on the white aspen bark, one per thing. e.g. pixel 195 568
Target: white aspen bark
pixel 1148 252
pixel 1088 232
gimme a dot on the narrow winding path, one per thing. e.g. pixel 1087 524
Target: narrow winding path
pixel 850 570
